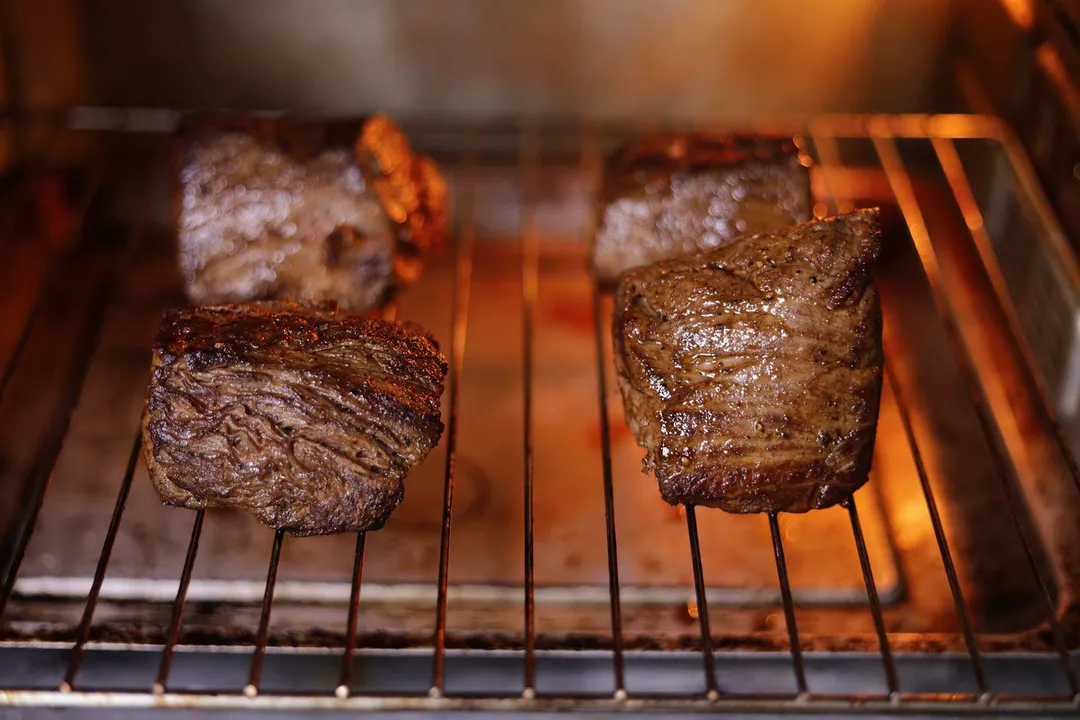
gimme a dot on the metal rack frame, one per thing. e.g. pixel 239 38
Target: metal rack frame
pixel 883 131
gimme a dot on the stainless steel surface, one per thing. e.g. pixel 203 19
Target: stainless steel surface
pixel 547 574
pixel 478 59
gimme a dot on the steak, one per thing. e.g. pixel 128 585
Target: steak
pixel 678 194
pixel 751 374
pixel 311 211
pixel 308 418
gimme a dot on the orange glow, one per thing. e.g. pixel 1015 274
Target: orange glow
pixel 678 512
pixel 912 519
pixel 57 218
pixel 1021 12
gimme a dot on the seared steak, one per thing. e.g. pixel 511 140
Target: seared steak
pixel 751 374
pixel 678 194
pixel 310 211
pixel 308 418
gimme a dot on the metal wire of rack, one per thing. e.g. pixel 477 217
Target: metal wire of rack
pixel 942 133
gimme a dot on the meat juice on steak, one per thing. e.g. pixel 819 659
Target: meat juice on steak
pixel 751 374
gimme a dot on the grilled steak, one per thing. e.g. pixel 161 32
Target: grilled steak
pixel 308 418
pixel 751 374
pixel 678 194
pixel 310 211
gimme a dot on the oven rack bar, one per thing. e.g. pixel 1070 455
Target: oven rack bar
pixel 466 239
pixel 904 193
pixel 892 680
pixel 829 155
pixel 530 277
pixel 345 681
pixel 177 620
pixel 824 131
pixel 591 164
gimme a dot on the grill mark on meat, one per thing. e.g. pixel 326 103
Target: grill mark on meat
pixel 308 418
pixel 752 374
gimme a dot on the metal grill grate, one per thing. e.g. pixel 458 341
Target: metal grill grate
pixel 941 136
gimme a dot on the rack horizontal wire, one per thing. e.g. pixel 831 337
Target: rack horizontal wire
pixel 883 132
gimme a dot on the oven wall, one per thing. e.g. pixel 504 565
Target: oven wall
pixel 611 59
pixel 43 64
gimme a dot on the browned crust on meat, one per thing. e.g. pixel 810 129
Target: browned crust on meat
pixel 663 155
pixel 786 487
pixel 407 186
pixel 752 374
pixel 411 188
pixel 676 194
pixel 306 417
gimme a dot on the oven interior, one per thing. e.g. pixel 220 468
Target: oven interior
pixel 532 565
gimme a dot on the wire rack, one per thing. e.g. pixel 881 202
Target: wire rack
pixel 941 136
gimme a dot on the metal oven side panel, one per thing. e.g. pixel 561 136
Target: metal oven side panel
pixel 486 58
